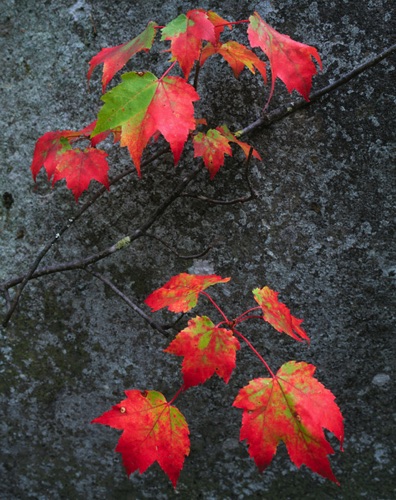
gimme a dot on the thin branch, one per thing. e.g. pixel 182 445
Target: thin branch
pixel 68 224
pixel 264 121
pixel 82 263
pixel 130 303
pixel 174 251
pixel 283 111
pixel 245 199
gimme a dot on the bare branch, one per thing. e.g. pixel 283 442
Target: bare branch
pixel 263 121
pixel 174 251
pixel 82 263
pixel 130 303
pixel 245 199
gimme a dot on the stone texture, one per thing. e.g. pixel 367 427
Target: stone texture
pixel 320 233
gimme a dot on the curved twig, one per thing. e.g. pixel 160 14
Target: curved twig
pixel 245 199
pixel 263 121
pixel 174 251
pixel 130 303
pixel 82 263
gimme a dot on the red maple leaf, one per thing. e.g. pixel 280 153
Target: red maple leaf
pixel 80 167
pixel 278 315
pixel 206 349
pixel 143 105
pixel 186 33
pixel 87 131
pixel 53 151
pixel 294 408
pixel 219 24
pixel 114 58
pixel 180 293
pixel 211 146
pixel 214 144
pixel 154 431
pixel 49 147
pixel 290 61
pixel 237 55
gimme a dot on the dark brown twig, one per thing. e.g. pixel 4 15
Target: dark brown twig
pixel 174 251
pixel 82 263
pixel 130 303
pixel 244 199
pixel 264 121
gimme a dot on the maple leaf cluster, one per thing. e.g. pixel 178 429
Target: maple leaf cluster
pixel 290 407
pixel 143 106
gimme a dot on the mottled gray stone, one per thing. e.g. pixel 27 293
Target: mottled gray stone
pixel 321 232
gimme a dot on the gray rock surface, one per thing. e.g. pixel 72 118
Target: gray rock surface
pixel 321 232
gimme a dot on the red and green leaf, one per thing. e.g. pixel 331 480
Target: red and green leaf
pixel 290 61
pixel 278 315
pixel 237 55
pixel 180 293
pixel 153 431
pixel 294 408
pixel 186 34
pixel 206 349
pixel 143 105
pixel 211 146
pixel 214 144
pixel 115 58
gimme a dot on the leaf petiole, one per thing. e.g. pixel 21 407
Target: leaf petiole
pixel 167 71
pixel 217 307
pixel 240 335
pixel 182 389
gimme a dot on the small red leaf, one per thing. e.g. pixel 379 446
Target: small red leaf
pixel 114 58
pixel 154 431
pixel 237 55
pixel 278 315
pixel 214 144
pixel 294 408
pixel 79 168
pixel 212 147
pixel 180 293
pixel 186 33
pixel 290 61
pixel 206 349
pixel 48 149
pixel 223 129
pixel 219 24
